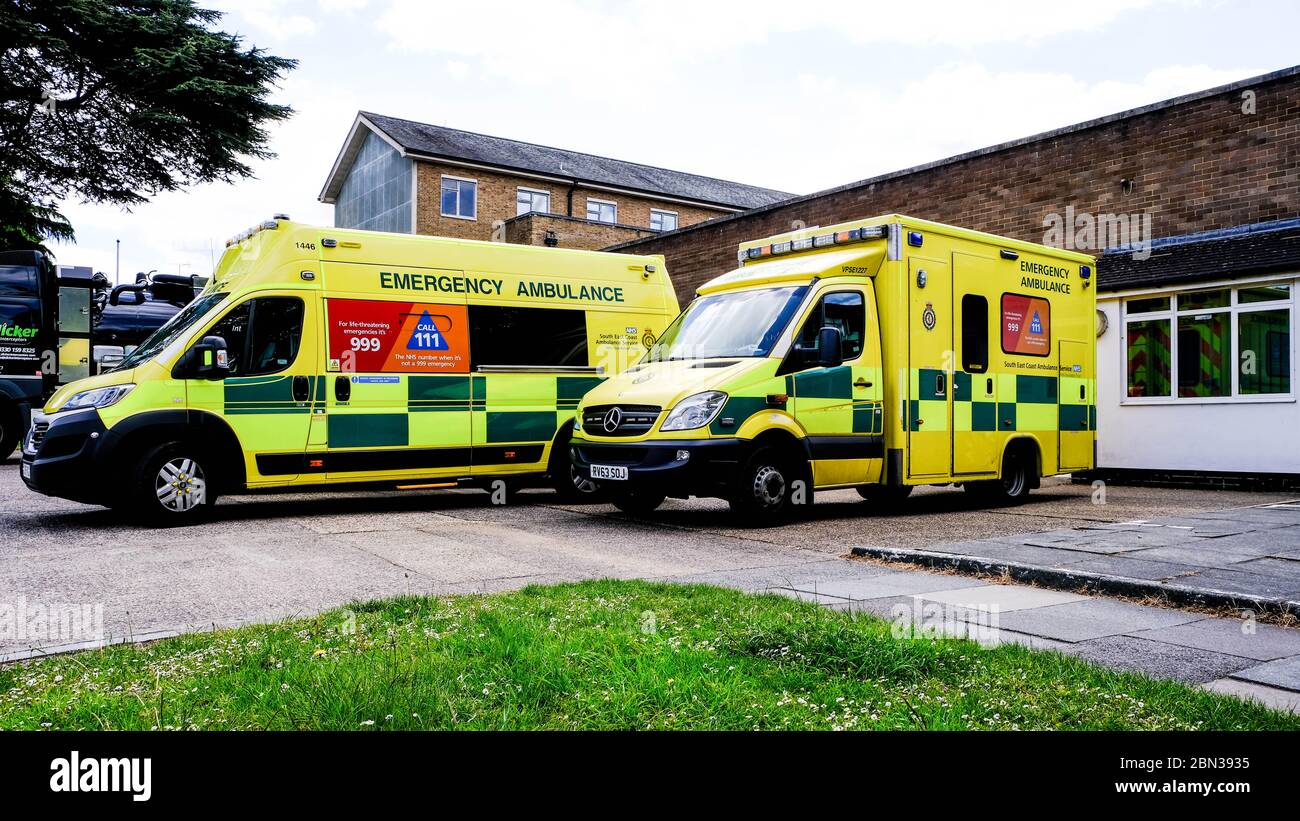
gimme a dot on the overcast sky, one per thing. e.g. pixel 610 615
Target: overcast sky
pixel 795 96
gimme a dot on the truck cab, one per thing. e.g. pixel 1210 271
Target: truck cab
pixel 879 354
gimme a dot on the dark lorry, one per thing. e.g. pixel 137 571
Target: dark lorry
pixel 54 329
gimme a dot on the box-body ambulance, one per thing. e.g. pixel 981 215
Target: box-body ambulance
pixel 879 354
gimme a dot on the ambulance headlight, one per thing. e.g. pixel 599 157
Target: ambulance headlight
pixel 97 398
pixel 695 411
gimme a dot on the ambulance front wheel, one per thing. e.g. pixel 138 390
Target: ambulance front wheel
pixel 170 485
pixel 766 488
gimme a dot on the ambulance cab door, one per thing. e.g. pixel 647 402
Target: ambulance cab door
pixel 1077 411
pixel 267 396
pixel 839 408
pixel 928 411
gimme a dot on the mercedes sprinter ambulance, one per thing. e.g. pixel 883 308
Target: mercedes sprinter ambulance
pixel 322 357
pixel 879 354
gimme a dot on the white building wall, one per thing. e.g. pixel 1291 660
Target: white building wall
pixel 1247 435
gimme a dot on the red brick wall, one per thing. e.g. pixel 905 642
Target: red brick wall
pixel 1197 165
pixel 497 193
pixel 570 232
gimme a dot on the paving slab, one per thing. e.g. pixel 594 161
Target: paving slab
pixel 1091 619
pixel 1214 554
pixel 1108 541
pixel 1235 580
pixel 1268 696
pixel 1129 567
pixel 1013 550
pixel 894 583
pixel 1283 673
pixel 1001 598
pixel 1238 637
pixel 1158 659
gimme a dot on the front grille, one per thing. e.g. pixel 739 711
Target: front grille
pixel 36 435
pixel 619 420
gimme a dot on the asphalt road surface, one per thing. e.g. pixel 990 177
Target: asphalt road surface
pixel 268 557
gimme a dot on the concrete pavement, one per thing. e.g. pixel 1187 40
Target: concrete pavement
pixel 265 558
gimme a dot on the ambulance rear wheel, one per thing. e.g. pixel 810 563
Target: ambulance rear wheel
pixel 764 492
pixel 171 485
pixel 1015 483
pixel 637 502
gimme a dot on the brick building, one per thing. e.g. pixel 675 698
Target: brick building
pixel 1198 201
pixel 399 175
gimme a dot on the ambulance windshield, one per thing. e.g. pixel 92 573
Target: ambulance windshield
pixel 739 323
pixel 185 319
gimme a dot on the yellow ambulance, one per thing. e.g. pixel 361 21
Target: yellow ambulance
pixel 330 357
pixel 879 354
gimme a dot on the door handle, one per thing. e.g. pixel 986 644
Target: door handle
pixel 940 384
pixel 862 383
pixel 301 389
pixel 1083 392
pixel 342 388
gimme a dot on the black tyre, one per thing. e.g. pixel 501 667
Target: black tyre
pixel 1017 477
pixel 570 486
pixel 885 495
pixel 637 502
pixel 172 484
pixel 9 433
pixel 764 491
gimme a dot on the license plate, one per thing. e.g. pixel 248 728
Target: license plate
pixel 27 471
pixel 616 472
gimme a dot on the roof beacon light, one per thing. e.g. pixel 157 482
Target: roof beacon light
pixel 805 243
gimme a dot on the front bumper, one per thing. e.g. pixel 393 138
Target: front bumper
pixel 66 460
pixel 654 464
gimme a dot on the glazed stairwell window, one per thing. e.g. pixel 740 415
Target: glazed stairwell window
pixel 262 335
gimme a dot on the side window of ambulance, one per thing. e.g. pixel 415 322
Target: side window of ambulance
pixel 974 333
pixel 527 336
pixel 844 310
pixel 262 335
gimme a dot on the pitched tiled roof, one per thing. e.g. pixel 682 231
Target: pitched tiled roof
pixel 1249 250
pixel 437 142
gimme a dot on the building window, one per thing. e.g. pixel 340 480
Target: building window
pixel 1204 333
pixel 459 198
pixel 663 220
pixel 602 211
pixel 531 201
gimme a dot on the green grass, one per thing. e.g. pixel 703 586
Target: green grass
pixel 596 655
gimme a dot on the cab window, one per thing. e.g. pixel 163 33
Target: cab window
pixel 262 335
pixel 844 310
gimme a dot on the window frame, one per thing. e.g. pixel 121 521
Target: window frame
pixel 532 192
pixel 442 187
pixel 663 212
pixel 1235 308
pixel 612 204
pixel 246 353
pixel 986 347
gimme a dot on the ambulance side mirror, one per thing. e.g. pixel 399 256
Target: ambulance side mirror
pixel 830 347
pixel 207 359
